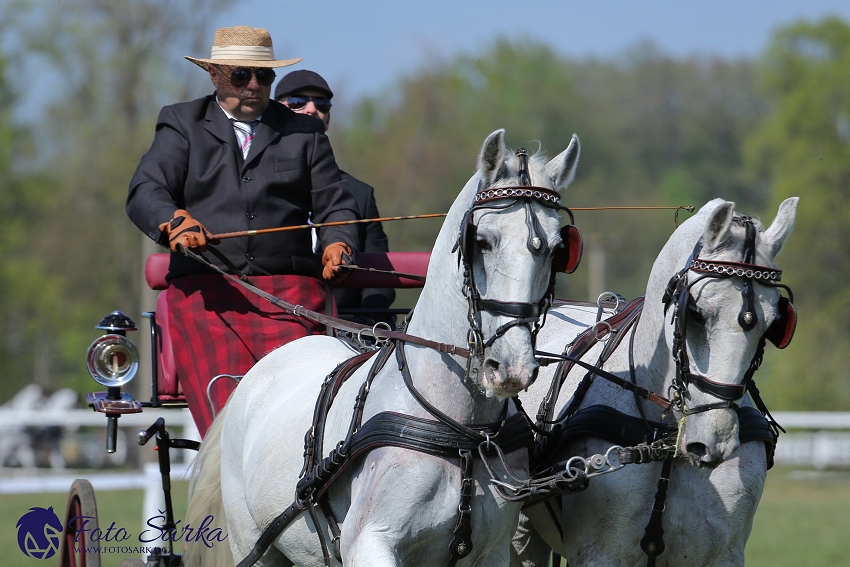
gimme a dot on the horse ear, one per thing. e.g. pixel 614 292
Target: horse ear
pixel 492 156
pixel 717 228
pixel 562 168
pixel 782 225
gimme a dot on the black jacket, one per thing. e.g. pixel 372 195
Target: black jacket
pixel 195 164
pixel 371 238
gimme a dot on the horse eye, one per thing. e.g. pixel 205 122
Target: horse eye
pixel 483 244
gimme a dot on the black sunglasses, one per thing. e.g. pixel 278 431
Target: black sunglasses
pixel 322 104
pixel 242 76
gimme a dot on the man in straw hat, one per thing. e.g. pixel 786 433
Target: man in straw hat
pixel 234 161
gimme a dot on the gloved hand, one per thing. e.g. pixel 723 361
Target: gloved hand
pixel 332 259
pixel 185 230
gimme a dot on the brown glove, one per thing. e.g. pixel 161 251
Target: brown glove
pixel 185 230
pixel 332 259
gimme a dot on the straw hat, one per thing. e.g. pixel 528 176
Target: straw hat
pixel 242 46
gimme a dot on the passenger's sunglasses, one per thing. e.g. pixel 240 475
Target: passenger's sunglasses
pixel 321 103
pixel 242 76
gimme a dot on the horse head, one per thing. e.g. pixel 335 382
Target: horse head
pixel 723 304
pixel 505 230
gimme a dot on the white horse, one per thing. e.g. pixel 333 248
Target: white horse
pixel 395 506
pixel 716 482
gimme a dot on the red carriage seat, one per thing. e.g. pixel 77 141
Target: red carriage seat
pixel 168 387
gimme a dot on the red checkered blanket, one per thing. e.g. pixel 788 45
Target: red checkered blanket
pixel 219 327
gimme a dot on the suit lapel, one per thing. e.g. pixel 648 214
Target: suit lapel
pixel 267 131
pixel 219 126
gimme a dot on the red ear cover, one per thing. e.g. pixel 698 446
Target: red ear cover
pixel 782 330
pixel 567 258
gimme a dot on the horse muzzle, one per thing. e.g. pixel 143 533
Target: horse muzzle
pixel 709 438
pixel 507 372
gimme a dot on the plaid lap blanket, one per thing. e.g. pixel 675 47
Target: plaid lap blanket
pixel 218 327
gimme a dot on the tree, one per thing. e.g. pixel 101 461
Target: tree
pixel 118 62
pixel 654 131
pixel 30 296
pixel 803 148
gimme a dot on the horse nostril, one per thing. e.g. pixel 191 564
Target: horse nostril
pixel 492 368
pixel 697 449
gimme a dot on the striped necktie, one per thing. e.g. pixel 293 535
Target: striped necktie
pixel 244 134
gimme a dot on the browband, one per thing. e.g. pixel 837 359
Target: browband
pixel 735 269
pixel 540 193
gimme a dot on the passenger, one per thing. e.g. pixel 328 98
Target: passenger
pixel 235 161
pixel 306 92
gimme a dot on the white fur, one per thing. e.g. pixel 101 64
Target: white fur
pixel 710 508
pixel 395 506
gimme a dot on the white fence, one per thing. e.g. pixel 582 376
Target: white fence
pixel 819 439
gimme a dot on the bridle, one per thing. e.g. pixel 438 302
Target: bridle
pixel 565 259
pixel 678 294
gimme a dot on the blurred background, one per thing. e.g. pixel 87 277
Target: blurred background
pixel 675 104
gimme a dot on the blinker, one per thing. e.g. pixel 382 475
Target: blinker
pixel 567 258
pixel 782 330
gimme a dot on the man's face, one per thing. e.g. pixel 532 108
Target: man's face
pixel 246 102
pixel 310 107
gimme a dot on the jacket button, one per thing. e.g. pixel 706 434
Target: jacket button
pixel 246 179
pixel 249 257
pixel 249 215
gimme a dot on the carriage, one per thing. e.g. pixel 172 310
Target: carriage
pixel 113 361
pixel 490 287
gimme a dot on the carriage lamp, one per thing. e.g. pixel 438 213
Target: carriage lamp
pixel 113 361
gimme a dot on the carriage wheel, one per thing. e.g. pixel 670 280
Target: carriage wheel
pixel 81 502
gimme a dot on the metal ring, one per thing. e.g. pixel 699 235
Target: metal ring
pixel 235 378
pixel 605 337
pixel 382 325
pixel 360 339
pixel 610 294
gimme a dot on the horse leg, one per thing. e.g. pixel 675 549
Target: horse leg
pixel 403 508
pixel 528 548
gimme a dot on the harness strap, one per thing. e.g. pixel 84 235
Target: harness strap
pixel 329 321
pixel 271 533
pixel 461 544
pixel 653 540
pixel 617 324
pixel 313 439
pixel 642 392
pixel 408 381
pixel 510 308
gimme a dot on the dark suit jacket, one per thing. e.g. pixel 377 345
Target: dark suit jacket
pixel 195 164
pixel 371 238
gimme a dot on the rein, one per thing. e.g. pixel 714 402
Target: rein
pixel 378 332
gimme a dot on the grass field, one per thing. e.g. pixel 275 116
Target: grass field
pixel 802 520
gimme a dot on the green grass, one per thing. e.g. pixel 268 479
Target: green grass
pixel 800 521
